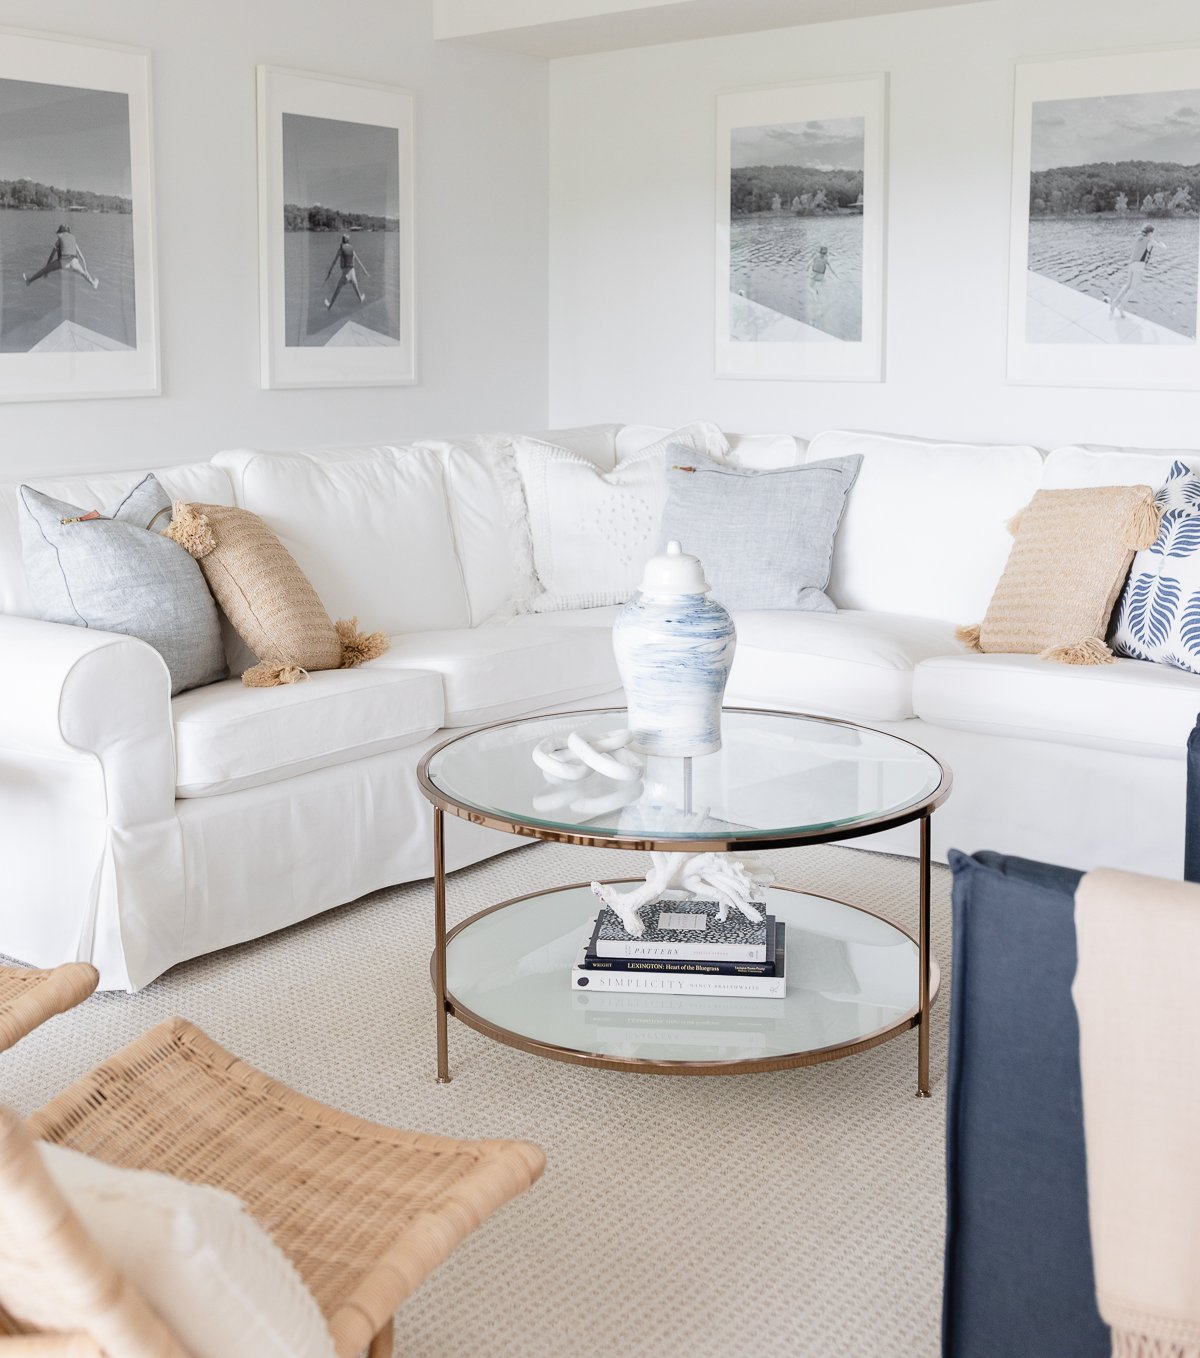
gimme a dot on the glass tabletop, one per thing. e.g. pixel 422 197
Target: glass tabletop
pixel 851 977
pixel 777 778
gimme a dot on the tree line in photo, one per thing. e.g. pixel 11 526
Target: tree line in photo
pixel 318 218
pixel 794 188
pixel 1148 188
pixel 29 195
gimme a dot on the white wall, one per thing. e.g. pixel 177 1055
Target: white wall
pixel 481 233
pixel 632 204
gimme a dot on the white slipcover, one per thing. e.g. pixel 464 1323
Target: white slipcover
pixel 1079 466
pixel 924 529
pixel 370 527
pixel 833 664
pixel 229 737
pixel 504 670
pixel 1131 705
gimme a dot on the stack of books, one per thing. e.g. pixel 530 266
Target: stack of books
pixel 685 950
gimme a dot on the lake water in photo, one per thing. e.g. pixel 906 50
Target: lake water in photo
pixel 1091 254
pixel 306 259
pixel 770 262
pixel 29 314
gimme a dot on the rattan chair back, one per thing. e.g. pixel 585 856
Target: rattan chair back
pixel 29 997
pixel 54 1277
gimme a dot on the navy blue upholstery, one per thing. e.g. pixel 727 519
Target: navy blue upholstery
pixel 1018 1251
pixel 1191 840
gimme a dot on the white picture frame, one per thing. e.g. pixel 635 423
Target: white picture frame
pixel 1079 313
pixel 822 322
pixel 346 147
pixel 78 277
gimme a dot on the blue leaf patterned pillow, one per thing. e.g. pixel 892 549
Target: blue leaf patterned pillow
pixel 1158 617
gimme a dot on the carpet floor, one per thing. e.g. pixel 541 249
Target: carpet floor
pixel 797 1213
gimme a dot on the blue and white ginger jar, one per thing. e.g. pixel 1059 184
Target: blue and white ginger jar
pixel 674 647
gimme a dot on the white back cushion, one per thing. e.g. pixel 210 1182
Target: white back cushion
pixel 762 452
pixel 369 526
pixel 924 530
pixel 596 442
pixel 200 481
pixel 1081 466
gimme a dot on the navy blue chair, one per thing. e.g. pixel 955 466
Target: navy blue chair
pixel 1018 1250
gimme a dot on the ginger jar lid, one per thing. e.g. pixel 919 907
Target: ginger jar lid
pixel 674 572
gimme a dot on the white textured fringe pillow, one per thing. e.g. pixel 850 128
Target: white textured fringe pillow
pixel 585 534
pixel 1070 556
pixel 194 1252
pixel 267 597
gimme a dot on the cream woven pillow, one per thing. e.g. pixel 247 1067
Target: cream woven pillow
pixel 267 597
pixel 1071 554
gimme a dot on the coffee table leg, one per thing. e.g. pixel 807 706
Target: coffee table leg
pixel 923 965
pixel 439 944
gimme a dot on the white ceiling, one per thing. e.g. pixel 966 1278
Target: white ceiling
pixel 562 28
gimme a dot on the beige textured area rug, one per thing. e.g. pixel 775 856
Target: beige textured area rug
pixel 797 1213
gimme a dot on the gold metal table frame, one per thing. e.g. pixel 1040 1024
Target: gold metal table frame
pixel 928 973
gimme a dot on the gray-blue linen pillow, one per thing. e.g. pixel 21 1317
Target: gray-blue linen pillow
pixel 117 573
pixel 765 537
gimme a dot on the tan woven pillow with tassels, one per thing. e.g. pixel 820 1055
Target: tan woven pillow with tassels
pixel 267 597
pixel 1071 552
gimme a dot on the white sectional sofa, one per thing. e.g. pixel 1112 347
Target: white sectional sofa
pixel 137 831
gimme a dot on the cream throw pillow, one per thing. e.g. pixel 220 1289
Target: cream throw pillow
pixel 590 532
pixel 267 597
pixel 1070 556
pixel 210 1271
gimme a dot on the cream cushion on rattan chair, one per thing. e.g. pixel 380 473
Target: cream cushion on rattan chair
pixel 223 1286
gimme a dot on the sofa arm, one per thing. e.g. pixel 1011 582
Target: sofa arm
pixel 69 690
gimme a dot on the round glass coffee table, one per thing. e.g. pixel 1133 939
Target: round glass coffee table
pixel 854 979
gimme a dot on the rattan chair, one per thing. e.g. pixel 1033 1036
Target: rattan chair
pixel 364 1212
pixel 28 997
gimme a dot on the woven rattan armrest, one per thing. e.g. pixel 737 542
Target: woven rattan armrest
pixel 29 997
pixel 365 1212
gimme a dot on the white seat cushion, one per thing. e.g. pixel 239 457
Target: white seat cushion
pixel 507 669
pixel 1131 705
pixel 229 737
pixel 848 664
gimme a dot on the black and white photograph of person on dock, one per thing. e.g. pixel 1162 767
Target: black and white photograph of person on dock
pixel 800 202
pixel 66 219
pixel 1106 221
pixel 796 216
pixel 1114 219
pixel 78 310
pixel 337 277
pixel 341 223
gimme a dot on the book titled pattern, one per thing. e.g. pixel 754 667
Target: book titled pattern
pixel 691 965
pixel 684 929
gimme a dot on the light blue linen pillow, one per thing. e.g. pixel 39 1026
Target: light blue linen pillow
pixel 117 573
pixel 765 537
pixel 1158 616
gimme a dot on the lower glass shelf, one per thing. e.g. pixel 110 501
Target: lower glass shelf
pixel 852 982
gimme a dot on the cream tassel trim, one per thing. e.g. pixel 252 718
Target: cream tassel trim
pixel 191 530
pixel 970 636
pixel 358 646
pixel 1089 651
pixel 1144 523
pixel 265 675
pixel 1014 524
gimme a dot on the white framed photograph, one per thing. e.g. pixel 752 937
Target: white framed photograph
pixel 78 301
pixel 800 231
pixel 337 267
pixel 1105 233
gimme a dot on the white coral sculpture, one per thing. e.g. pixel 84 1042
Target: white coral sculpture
pixel 704 876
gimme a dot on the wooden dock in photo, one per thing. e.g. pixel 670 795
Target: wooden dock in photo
pixel 1057 314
